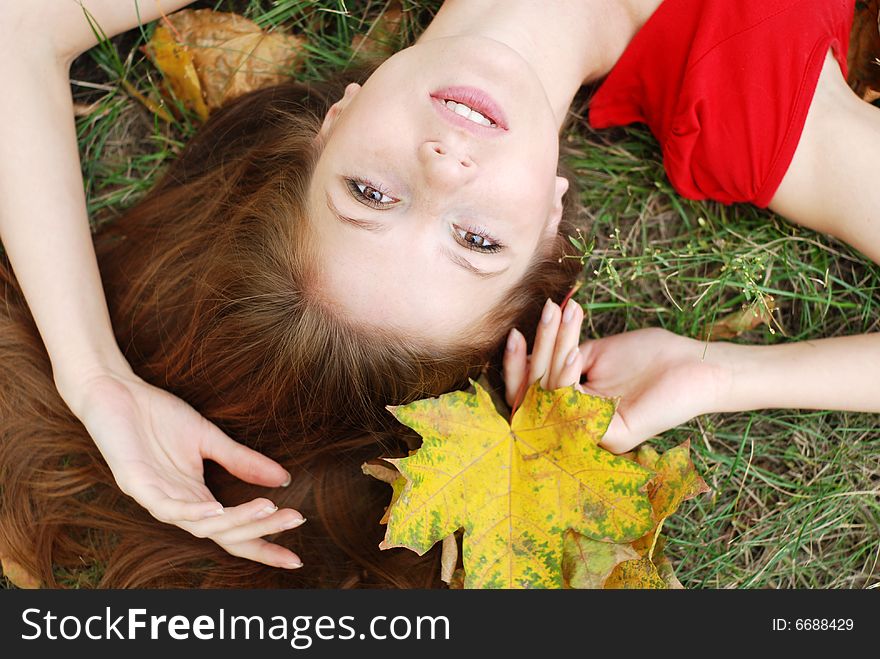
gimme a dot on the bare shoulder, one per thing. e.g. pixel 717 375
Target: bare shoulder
pixel 832 184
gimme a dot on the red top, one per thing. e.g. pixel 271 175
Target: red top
pixel 725 86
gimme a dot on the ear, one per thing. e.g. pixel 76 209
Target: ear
pixel 337 108
pixel 556 213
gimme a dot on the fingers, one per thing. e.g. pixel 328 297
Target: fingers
pixel 545 341
pixel 265 552
pixel 569 373
pixel 167 509
pixel 241 461
pixel 238 529
pixel 515 365
pixel 281 520
pixel 555 356
pixel 234 517
pixel 555 360
pixel 565 363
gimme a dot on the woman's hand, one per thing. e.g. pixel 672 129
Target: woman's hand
pixel 153 442
pixel 662 379
pixel 155 445
pixel 555 359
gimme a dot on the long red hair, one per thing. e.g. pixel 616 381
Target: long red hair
pixel 208 283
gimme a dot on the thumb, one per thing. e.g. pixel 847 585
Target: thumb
pixel 241 461
pixel 589 350
pixel 515 365
pixel 618 438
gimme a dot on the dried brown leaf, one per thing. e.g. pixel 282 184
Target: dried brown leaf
pixel 387 473
pixel 177 66
pixel 640 573
pixel 760 312
pixel 381 470
pixel 588 563
pixel 209 57
pixel 18 575
pixel 448 558
pixel 457 580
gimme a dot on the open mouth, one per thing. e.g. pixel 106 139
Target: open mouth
pixel 473 105
pixel 469 113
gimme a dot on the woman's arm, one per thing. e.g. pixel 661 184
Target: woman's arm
pixel 43 222
pixel 663 379
pixel 837 373
pixel 61 26
pixel 154 443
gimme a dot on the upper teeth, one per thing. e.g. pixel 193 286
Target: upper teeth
pixel 469 113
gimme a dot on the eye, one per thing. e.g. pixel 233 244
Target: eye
pixel 476 239
pixel 369 194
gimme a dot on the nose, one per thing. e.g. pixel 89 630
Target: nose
pixel 446 164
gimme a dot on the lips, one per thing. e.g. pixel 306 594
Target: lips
pixel 476 99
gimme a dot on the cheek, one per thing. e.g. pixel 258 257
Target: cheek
pixel 378 113
pixel 527 200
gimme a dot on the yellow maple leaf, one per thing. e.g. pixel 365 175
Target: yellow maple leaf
pixel 515 488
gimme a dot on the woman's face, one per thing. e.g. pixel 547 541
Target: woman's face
pixel 425 215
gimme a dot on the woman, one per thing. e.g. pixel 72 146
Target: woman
pixel 210 281
pixel 436 179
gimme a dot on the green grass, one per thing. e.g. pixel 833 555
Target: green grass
pixel 794 499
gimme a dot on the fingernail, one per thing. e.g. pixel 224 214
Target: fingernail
pixel 214 513
pixel 570 307
pixel 547 314
pixel 293 523
pixel 512 340
pixel 293 565
pixel 571 356
pixel 287 482
pixel 265 512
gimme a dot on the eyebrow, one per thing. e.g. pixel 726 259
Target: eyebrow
pixel 378 227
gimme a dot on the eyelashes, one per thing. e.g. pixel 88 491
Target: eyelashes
pixel 377 197
pixel 366 193
pixel 476 240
